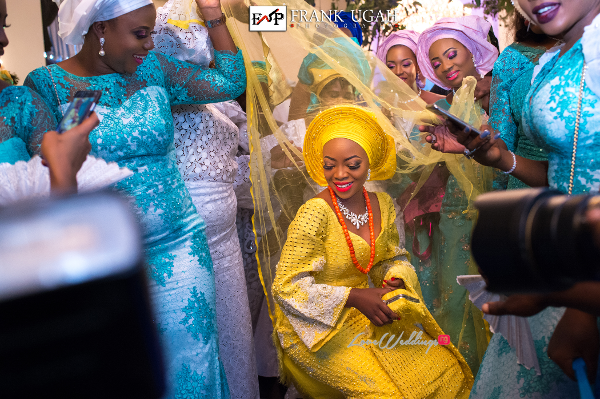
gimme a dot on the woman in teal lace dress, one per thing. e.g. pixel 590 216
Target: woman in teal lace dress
pixel 549 118
pixel 511 83
pixel 24 117
pixel 136 130
pixel 24 121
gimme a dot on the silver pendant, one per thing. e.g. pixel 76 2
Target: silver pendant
pixel 353 218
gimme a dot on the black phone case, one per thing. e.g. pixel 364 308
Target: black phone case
pixel 442 112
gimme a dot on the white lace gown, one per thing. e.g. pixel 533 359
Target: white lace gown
pixel 206 142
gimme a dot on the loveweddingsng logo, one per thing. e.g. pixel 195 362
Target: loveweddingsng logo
pixel 414 339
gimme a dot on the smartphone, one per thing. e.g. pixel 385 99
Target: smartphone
pixel 447 115
pixel 81 107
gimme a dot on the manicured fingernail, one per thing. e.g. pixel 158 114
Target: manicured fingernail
pixel 485 134
pixel 497 136
pixel 393 278
pixel 467 130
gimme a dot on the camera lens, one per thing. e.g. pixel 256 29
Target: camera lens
pixel 534 240
pixel 499 239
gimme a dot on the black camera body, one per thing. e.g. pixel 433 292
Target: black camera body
pixel 75 314
pixel 534 240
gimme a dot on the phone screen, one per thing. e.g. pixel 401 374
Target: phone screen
pixel 81 107
pixel 447 115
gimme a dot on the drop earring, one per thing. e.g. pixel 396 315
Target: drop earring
pixel 102 53
pixel 369 175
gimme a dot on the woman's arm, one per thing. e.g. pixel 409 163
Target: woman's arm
pixel 491 151
pixel 42 121
pixel 192 84
pixel 299 102
pixel 219 35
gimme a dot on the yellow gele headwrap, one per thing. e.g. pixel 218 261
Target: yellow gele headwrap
pixel 353 123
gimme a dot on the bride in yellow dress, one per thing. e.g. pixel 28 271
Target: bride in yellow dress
pixel 335 335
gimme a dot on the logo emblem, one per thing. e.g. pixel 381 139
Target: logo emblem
pixel 268 18
pixel 443 339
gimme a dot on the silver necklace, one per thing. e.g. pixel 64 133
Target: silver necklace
pixel 353 218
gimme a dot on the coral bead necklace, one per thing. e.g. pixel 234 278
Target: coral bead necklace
pixel 347 235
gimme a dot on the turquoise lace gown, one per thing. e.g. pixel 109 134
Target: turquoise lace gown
pixel 549 113
pixel 136 131
pixel 24 118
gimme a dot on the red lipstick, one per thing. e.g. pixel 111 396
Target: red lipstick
pixel 343 187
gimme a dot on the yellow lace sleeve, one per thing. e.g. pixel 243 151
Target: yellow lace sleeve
pixel 396 262
pixel 312 309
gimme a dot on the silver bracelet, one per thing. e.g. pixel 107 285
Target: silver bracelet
pixel 508 172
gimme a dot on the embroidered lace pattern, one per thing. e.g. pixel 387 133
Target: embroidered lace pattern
pixel 24 118
pixel 207 140
pixel 510 85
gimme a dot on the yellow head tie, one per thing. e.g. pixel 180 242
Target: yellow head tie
pixel 352 123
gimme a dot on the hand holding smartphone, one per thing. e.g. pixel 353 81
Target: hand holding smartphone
pixel 81 107
pixel 455 120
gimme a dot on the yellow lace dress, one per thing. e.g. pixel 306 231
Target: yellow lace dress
pixel 329 351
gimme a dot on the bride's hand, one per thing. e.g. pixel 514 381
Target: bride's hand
pixel 368 301
pixel 394 283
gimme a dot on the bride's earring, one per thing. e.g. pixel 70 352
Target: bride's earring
pixel 369 175
pixel 102 53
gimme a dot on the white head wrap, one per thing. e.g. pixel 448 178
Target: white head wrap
pixel 76 16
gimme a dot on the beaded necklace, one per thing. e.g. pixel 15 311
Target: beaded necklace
pixel 347 235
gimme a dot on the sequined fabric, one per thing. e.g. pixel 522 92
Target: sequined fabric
pixel 136 131
pixel 24 118
pixel 314 331
pixel 510 84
